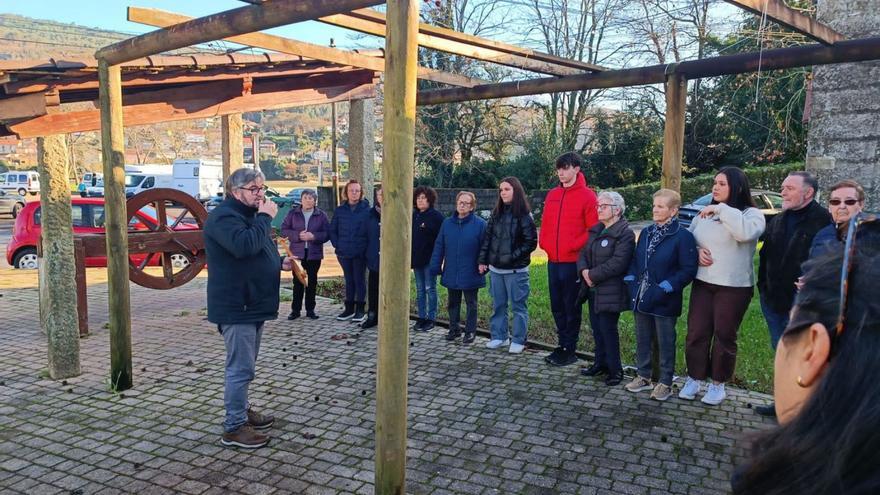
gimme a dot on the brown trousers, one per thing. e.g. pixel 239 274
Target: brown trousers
pixel 714 317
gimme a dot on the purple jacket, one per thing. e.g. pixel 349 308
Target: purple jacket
pixel 294 223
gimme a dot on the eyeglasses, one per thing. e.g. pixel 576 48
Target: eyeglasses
pixel 464 203
pixel 848 256
pixel 255 189
pixel 601 206
pixel 847 202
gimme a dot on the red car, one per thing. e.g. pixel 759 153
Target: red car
pixel 88 218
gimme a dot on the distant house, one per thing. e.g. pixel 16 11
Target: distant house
pixel 8 145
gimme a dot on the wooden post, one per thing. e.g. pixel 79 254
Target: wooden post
pixel 115 225
pixel 58 315
pixel 334 163
pixel 82 297
pixel 399 148
pixel 232 146
pixel 673 133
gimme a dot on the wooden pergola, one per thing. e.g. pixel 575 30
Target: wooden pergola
pixel 403 36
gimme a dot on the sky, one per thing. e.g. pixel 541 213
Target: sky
pixel 111 14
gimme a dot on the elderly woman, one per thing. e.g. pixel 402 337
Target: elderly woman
pixel 349 238
pixel 727 233
pixel 307 229
pixel 826 384
pixel 506 252
pixel 426 223
pixel 603 263
pixel 665 263
pixel 455 256
pixel 846 199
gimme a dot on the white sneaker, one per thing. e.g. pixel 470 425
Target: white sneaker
pixel 714 395
pixel 516 348
pixel 495 344
pixel 691 389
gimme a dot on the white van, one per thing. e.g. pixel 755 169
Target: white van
pixel 21 182
pixel 201 179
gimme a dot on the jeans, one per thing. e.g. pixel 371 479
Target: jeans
pixel 604 326
pixel 311 267
pixel 664 327
pixel 563 282
pixel 776 322
pixel 355 270
pixel 426 293
pixel 454 308
pixel 513 287
pixel 242 346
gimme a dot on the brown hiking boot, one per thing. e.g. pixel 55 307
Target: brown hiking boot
pixel 244 437
pixel 258 421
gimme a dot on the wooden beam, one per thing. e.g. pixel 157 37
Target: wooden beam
pixel 269 14
pixel 115 226
pixel 790 18
pixel 476 41
pixel 782 58
pixel 673 132
pixel 452 46
pixel 26 106
pixel 207 100
pixel 397 176
pixel 155 17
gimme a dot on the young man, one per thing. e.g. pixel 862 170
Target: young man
pixel 569 212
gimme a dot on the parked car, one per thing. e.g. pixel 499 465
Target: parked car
pixel 295 194
pixel 21 182
pixel 11 203
pixel 88 218
pixel 769 202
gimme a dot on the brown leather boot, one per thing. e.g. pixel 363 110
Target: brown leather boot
pixel 244 437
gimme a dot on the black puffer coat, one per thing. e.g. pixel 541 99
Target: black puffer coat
pixel 607 255
pixel 509 241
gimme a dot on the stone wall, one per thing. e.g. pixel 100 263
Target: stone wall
pixel 844 135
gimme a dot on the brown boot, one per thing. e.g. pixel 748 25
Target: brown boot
pixel 259 421
pixel 244 437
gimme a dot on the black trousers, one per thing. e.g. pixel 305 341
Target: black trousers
pixel 454 308
pixel 311 267
pixel 564 283
pixel 373 291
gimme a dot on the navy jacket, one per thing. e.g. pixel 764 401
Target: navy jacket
pixel 456 250
pixel 372 228
pixel 825 241
pixel 674 260
pixel 245 269
pixel 425 227
pixel 346 230
pixel 319 225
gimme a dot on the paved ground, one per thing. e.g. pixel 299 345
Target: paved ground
pixel 481 422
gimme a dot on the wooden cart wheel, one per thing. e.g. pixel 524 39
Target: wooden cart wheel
pixel 171 209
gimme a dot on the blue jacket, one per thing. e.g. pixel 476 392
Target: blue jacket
pixel 456 250
pixel 346 230
pixel 372 227
pixel 674 260
pixel 825 241
pixel 245 269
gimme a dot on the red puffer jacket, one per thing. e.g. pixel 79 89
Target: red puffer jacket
pixel 568 215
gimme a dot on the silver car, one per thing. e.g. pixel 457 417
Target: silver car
pixel 11 203
pixel 769 202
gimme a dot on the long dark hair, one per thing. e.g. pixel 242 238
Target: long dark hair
pixel 832 445
pixel 519 205
pixel 740 192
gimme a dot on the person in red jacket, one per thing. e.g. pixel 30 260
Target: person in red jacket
pixel 569 212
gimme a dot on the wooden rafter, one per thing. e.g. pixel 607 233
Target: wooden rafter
pixel 266 15
pixel 790 18
pixel 26 106
pixel 159 18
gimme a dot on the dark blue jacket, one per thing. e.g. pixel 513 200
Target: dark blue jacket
pixel 245 269
pixel 425 227
pixel 674 260
pixel 457 249
pixel 346 230
pixel 372 227
pixel 825 242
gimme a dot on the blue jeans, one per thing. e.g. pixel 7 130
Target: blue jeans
pixel 604 326
pixel 426 293
pixel 664 327
pixel 242 346
pixel 776 322
pixel 564 282
pixel 355 271
pixel 513 287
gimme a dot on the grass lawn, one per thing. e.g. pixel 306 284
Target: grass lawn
pixel 754 367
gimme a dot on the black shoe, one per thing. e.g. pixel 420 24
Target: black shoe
pixel 469 338
pixel 427 325
pixel 311 316
pixel 553 356
pixel 594 370
pixel 564 358
pixel 371 321
pixel 614 378
pixel 293 316
pixel 453 334
pixel 348 313
pixel 769 410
